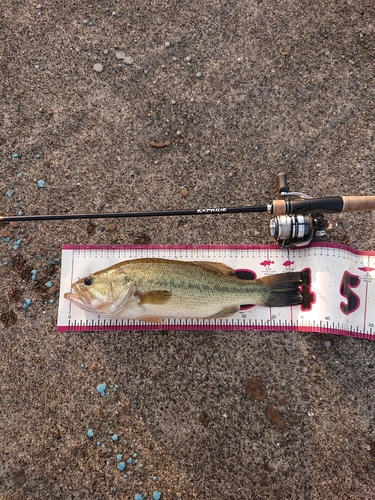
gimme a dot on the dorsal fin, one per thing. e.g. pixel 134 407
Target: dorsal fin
pixel 216 267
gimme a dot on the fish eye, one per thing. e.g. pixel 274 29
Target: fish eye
pixel 88 281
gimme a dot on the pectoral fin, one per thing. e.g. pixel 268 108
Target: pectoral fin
pixel 154 297
pixel 227 311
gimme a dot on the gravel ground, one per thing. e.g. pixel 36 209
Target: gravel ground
pixel 241 90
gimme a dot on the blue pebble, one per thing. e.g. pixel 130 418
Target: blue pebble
pixel 33 274
pixel 37 156
pixel 135 455
pixel 155 478
pixel 26 304
pixel 48 284
pixel 51 301
pixel 115 389
pixel 19 175
pixel 20 212
pixel 129 460
pixel 119 457
pixel 36 66
pixel 41 183
pixel 114 437
pixel 121 465
pixel 10 193
pixel 140 465
pixel 156 495
pixel 5 263
pixel 17 244
pixel 5 239
pixel 101 388
pixel 138 496
pixel 98 443
pixel 90 433
pixel 15 155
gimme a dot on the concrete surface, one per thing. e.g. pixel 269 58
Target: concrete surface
pixel 242 89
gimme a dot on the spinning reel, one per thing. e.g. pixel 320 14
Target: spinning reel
pixel 296 230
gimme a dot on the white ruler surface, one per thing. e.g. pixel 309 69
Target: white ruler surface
pixel 341 293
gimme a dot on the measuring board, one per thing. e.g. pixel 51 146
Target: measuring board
pixel 341 290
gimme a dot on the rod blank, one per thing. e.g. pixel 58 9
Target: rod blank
pixel 160 213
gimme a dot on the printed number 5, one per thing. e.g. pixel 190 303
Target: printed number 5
pixel 348 282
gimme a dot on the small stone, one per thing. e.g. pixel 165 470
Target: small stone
pixel 184 192
pixel 275 417
pixel 167 44
pixel 128 60
pixel 254 388
pixel 37 156
pixel 121 466
pixel 155 144
pixel 111 227
pixel 120 54
pixel 98 67
pixel 48 284
pixel 199 74
pixel 156 495
pixel 114 437
pixel 15 155
pixel 138 496
pixel 101 388
pixel 90 433
pixel 41 183
pixel 327 343
pixel 187 58
pixel 26 303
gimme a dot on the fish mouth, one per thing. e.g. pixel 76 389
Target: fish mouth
pixel 78 296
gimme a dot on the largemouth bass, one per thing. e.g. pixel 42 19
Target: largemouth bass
pixel 151 289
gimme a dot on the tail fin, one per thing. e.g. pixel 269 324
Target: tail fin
pixel 284 289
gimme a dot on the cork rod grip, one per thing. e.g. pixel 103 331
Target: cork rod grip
pixel 358 203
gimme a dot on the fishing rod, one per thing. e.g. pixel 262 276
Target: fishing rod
pixel 298 218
